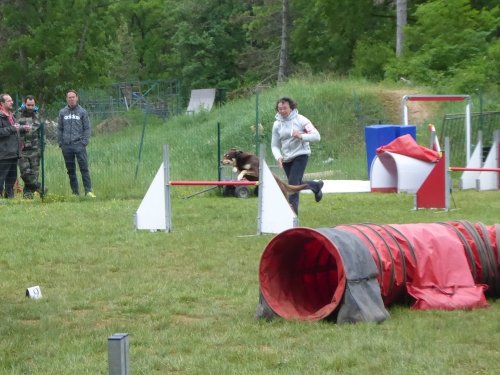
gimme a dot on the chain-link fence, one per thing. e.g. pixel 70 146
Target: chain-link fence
pixel 158 97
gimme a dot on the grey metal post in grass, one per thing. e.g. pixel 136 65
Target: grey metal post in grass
pixel 447 177
pixel 118 363
pixel 141 144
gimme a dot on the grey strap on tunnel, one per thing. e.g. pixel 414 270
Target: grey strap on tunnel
pixel 362 301
pixel 263 310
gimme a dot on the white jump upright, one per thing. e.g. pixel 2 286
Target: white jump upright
pixel 275 213
pixel 155 214
pixel 481 176
pixel 489 180
pixel 154 211
pixel 468 178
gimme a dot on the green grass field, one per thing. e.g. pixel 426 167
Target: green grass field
pixel 187 299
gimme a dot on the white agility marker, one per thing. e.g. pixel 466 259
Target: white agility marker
pixel 34 292
pixel 155 214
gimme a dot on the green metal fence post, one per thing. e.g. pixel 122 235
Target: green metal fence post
pixel 140 145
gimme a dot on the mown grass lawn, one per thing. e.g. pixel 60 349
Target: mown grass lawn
pixel 187 299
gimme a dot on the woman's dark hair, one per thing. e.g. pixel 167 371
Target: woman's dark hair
pixel 288 100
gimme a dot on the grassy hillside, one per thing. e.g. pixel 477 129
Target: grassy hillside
pixel 339 108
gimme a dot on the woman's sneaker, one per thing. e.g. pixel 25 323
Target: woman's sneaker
pixel 318 194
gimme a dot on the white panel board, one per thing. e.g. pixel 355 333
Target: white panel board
pixel 201 100
pixel 151 212
pixel 469 178
pixel 275 213
pixel 391 170
pixel 489 180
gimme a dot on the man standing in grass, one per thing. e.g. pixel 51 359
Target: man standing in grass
pixel 30 154
pixel 9 145
pixel 73 135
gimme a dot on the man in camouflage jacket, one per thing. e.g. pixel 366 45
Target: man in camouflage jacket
pixel 29 161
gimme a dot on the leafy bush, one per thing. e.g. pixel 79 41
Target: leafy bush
pixel 370 57
pixel 449 47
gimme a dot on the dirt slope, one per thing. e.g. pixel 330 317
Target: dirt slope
pixel 419 113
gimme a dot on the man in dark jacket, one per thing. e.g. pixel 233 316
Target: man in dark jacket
pixel 9 145
pixel 29 162
pixel 73 134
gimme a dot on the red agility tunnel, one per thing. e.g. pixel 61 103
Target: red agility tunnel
pixel 352 271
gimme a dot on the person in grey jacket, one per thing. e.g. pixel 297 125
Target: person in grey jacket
pixel 73 135
pixel 290 139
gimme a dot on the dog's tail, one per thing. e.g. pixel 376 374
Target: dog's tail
pixel 287 188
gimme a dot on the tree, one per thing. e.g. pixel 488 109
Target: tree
pixel 258 60
pixel 325 32
pixel 128 67
pixel 206 43
pixel 282 70
pixel 400 25
pixel 48 46
pixel 141 35
pixel 451 46
pixel 44 54
pixel 401 19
